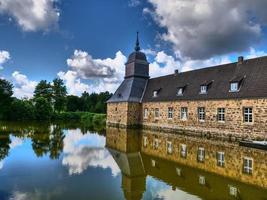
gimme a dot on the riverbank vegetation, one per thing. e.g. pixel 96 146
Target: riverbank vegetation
pixel 51 102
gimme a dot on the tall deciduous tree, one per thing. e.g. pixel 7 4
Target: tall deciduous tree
pixel 44 89
pixel 5 96
pixel 59 94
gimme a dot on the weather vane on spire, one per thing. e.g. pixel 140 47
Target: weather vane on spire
pixel 137 47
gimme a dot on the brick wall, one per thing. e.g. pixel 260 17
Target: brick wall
pixel 234 124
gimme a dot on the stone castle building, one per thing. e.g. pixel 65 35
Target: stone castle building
pixel 228 100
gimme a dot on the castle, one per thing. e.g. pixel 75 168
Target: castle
pixel 228 101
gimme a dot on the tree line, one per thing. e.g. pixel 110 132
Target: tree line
pixel 49 100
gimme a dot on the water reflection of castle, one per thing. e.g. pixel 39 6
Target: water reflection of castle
pixel 208 169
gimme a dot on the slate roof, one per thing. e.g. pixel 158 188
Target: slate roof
pixel 131 90
pixel 251 74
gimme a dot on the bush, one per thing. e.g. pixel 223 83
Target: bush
pixel 21 110
pixel 43 109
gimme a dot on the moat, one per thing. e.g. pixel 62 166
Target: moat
pixel 70 161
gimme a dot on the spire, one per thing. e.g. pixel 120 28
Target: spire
pixel 137 47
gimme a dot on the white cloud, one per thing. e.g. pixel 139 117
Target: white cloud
pixel 201 29
pixel 253 53
pixel 134 3
pixel 103 74
pixel 4 57
pixel 1 164
pixel 32 15
pixel 15 142
pixel 24 87
pixel 81 151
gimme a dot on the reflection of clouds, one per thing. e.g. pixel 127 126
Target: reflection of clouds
pixel 160 190
pixel 82 151
pixel 15 142
pixel 1 164
pixel 19 196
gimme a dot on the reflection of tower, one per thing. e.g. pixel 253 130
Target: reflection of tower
pixel 124 146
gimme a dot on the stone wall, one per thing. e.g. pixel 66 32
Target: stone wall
pixel 123 114
pixel 234 125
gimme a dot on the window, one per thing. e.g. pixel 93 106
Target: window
pixel 145 141
pixel 220 159
pixel 221 114
pixel 247 165
pixel 156 113
pixel 155 93
pixel 234 87
pixel 201 114
pixel 169 147
pixel 201 154
pixel 145 113
pixel 156 143
pixel 180 91
pixel 248 115
pixel 184 113
pixel 183 151
pixel 170 113
pixel 203 89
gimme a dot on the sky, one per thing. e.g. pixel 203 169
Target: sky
pixel 86 42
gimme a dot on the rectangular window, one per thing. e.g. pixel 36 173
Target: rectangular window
pixel 201 154
pixel 221 114
pixel 247 165
pixel 156 143
pixel 183 151
pixel 220 159
pixel 155 93
pixel 145 141
pixel 170 113
pixel 180 91
pixel 145 113
pixel 169 147
pixel 248 115
pixel 201 114
pixel 184 113
pixel 203 89
pixel 156 113
pixel 234 87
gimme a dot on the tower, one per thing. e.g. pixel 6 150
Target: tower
pixel 124 107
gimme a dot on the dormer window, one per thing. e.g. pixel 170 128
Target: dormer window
pixel 180 91
pixel 155 93
pixel 203 89
pixel 234 87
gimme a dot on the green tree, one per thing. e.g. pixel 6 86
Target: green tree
pixel 21 110
pixel 43 89
pixel 59 94
pixel 5 96
pixel 43 109
pixel 74 103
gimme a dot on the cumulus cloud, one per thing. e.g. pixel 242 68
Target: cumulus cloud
pixel 101 74
pixel 81 151
pixel 32 15
pixel 4 56
pixel 23 87
pixel 134 3
pixel 200 29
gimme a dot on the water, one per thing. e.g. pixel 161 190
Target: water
pixel 69 161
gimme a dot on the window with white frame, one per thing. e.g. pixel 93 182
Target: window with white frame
pixel 234 87
pixel 247 165
pixel 156 112
pixel 248 115
pixel 203 89
pixel 169 147
pixel 145 141
pixel 221 114
pixel 201 114
pixel 180 91
pixel 155 93
pixel 220 159
pixel 201 154
pixel 184 113
pixel 145 113
pixel 183 151
pixel 170 113
pixel 156 143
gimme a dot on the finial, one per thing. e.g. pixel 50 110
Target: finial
pixel 137 47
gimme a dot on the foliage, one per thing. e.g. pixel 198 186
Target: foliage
pixel 43 109
pixel 59 94
pixel 5 96
pixel 43 89
pixel 21 110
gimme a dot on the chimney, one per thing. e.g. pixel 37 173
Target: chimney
pixel 176 72
pixel 240 60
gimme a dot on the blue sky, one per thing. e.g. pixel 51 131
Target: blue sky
pixel 86 43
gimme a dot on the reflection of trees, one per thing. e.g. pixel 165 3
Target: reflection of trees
pixel 4 146
pixel 48 142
